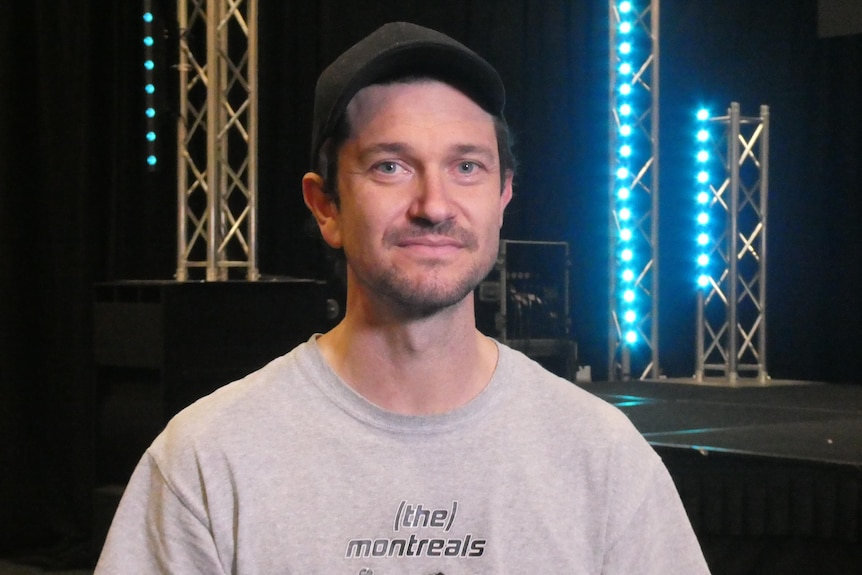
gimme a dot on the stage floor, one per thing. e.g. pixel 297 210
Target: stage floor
pixel 793 420
pixel 771 476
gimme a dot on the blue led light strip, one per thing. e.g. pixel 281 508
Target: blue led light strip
pixel 703 199
pixel 626 218
pixel 151 132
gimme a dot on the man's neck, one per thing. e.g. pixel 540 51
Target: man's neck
pixel 420 367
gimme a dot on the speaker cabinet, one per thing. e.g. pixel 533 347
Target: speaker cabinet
pixel 160 345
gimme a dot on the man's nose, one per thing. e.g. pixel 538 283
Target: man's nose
pixel 433 200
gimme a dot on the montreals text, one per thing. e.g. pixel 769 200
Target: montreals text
pixel 433 539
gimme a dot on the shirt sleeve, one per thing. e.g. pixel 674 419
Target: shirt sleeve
pixel 653 535
pixel 154 531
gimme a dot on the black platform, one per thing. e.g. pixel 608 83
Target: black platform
pixel 771 476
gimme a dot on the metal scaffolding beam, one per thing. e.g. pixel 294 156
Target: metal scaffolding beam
pixel 217 139
pixel 633 337
pixel 731 311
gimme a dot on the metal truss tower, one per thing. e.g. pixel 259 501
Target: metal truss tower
pixel 731 309
pixel 634 191
pixel 217 139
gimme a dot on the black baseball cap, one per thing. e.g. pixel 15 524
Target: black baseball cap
pixel 396 50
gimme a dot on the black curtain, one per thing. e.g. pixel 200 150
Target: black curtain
pixel 78 206
pixel 55 137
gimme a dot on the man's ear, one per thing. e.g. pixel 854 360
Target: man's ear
pixel 323 208
pixel 506 193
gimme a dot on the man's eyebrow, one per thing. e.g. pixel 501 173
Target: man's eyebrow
pixel 397 148
pixel 474 149
pixel 401 149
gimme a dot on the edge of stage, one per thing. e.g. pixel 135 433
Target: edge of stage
pixel 779 461
pixel 785 419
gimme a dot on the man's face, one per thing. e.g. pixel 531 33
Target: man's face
pixel 421 201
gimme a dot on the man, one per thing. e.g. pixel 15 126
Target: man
pixel 404 441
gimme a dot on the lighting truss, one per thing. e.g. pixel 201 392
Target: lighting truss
pixel 634 193
pixel 217 138
pixel 731 307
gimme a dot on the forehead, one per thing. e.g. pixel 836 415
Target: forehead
pixel 413 100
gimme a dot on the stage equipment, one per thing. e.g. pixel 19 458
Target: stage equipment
pixel 160 345
pixel 217 139
pixel 524 303
pixel 633 191
pixel 732 218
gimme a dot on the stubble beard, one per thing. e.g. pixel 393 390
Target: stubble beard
pixel 430 292
pixel 426 292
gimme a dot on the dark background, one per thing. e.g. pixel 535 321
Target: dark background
pixel 77 205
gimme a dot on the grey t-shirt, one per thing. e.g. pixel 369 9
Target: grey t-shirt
pixel 290 471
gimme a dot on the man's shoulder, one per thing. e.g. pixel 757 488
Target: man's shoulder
pixel 582 426
pixel 239 403
pixel 555 395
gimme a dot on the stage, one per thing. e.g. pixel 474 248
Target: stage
pixel 771 475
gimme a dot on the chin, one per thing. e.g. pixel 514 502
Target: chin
pixel 428 295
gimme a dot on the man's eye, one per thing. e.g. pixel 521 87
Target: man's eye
pixel 466 167
pixel 387 167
